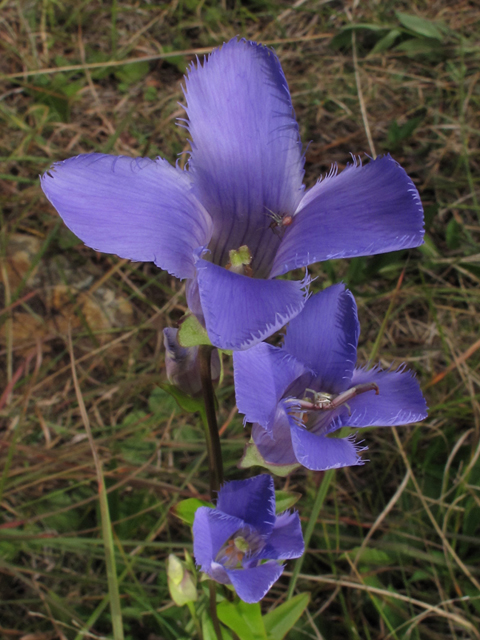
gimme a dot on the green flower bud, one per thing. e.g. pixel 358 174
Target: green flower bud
pixel 181 582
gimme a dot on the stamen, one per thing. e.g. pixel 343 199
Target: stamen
pixel 243 543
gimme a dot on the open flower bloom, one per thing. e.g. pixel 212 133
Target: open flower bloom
pixel 298 394
pixel 238 216
pixel 239 542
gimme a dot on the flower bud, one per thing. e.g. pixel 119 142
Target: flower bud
pixel 181 364
pixel 181 583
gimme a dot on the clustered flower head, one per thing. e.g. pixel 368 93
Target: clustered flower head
pixel 299 394
pixel 240 541
pixel 231 223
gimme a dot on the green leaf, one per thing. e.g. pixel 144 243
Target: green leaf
pixel 279 621
pixel 285 499
pixel 369 556
pixel 453 234
pixel 245 619
pixel 67 239
pixel 386 42
pixel 186 509
pixel 161 402
pixel 191 333
pixel 428 248
pixel 397 133
pixel 420 26
pixel 180 61
pixel 209 631
pixel 187 403
pixel 344 37
pixel 419 575
pixel 418 46
pixel 253 458
pixel 131 73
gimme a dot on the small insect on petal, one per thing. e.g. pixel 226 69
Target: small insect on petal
pixel 279 220
pixel 322 401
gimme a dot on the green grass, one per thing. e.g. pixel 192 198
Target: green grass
pixel 394 553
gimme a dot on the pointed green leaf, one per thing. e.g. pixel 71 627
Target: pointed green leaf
pixel 253 458
pixel 279 621
pixel 419 46
pixel 187 403
pixel 191 333
pixel 420 26
pixel 285 499
pixel 245 619
pixel 386 42
pixel 186 509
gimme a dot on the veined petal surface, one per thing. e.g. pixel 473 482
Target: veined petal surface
pixel 365 210
pixel 399 401
pixel 211 529
pixel 324 336
pixel 246 159
pixel 252 584
pixel 240 311
pixel 262 375
pixel 320 453
pixel 286 539
pixel 275 445
pixel 137 208
pixel 252 501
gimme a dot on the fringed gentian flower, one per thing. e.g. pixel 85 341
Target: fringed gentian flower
pixel 240 541
pixel 299 394
pixel 238 217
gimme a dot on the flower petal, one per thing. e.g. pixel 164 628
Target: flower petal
pixel 247 158
pixel 324 337
pixel 319 453
pixel 262 375
pixel 364 210
pixel 399 401
pixel 252 584
pixel 241 311
pixel 211 529
pixel 275 445
pixel 286 539
pixel 138 208
pixel 252 501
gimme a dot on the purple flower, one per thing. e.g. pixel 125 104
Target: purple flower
pixel 299 394
pixel 239 216
pixel 239 542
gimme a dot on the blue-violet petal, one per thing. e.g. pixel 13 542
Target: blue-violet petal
pixel 138 208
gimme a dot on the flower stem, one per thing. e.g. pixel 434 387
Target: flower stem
pixel 196 621
pixel 215 462
pixel 318 504
pixel 210 421
pixel 213 610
